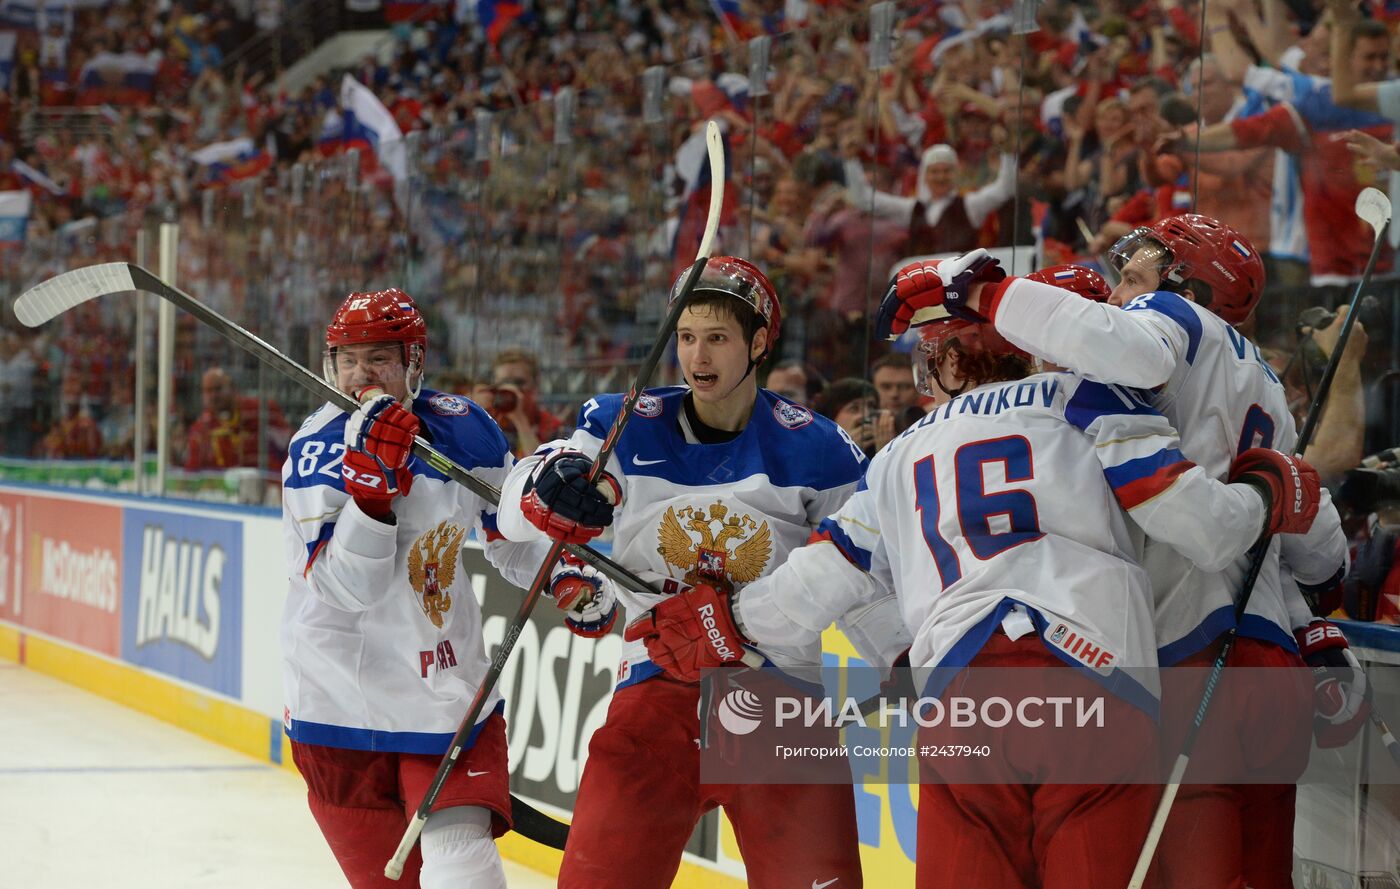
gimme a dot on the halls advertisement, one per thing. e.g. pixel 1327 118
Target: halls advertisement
pixel 183 608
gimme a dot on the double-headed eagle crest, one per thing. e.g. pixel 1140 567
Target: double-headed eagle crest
pixel 710 560
pixel 432 563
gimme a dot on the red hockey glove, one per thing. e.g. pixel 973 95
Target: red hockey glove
pixel 585 595
pixel 933 282
pixel 1341 693
pixel 560 502
pixel 378 442
pixel 689 633
pixel 1289 486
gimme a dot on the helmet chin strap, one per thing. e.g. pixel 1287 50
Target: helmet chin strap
pixel 938 377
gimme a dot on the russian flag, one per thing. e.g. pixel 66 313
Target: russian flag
pixel 366 121
pixel 232 160
pixel 496 15
pixel 1064 275
pixel 14 216
pixel 25 171
pixel 1241 249
pixel 731 16
pixel 127 78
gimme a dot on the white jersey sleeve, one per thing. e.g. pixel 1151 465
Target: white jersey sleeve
pixel 1127 346
pixel 833 575
pixel 1172 499
pixel 345 557
pixel 1318 560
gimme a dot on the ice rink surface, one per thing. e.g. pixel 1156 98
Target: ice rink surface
pixel 93 794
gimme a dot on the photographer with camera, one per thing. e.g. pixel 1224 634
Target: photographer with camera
pixel 853 404
pixel 511 401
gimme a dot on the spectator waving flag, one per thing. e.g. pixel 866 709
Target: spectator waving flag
pixel 496 15
pixel 35 177
pixel 232 160
pixel 731 16
pixel 127 78
pixel 14 216
pixel 367 122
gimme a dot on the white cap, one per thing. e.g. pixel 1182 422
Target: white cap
pixel 940 154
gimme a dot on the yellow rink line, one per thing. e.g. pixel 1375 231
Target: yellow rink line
pixel 232 725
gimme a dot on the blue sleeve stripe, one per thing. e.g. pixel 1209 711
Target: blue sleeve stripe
pixel 1125 474
pixel 1173 306
pixel 833 532
pixel 313 549
pixel 1094 400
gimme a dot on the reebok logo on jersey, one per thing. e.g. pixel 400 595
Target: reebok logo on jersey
pixel 711 628
pixel 1096 657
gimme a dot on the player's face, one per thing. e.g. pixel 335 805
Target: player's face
pixel 1139 275
pixel 371 364
pixel 712 352
pixel 1370 58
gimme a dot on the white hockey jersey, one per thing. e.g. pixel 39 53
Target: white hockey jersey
pixel 1010 498
pixel 381 635
pixel 695 512
pixel 1223 398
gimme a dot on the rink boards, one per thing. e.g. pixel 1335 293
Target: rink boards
pixel 173 608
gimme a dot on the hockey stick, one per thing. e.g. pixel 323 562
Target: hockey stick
pixel 394 868
pixel 1373 207
pixel 53 297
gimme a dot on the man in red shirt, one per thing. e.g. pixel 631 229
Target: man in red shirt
pixel 226 434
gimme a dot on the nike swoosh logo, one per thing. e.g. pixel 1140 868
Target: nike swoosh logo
pixel 638 461
pixel 471 774
pixel 816 885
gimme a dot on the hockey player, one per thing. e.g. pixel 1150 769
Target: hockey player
pixel 381 636
pixel 715 481
pixel 998 521
pixel 1183 283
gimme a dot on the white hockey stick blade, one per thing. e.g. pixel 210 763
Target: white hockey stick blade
pixel 49 299
pixel 715 144
pixel 1373 206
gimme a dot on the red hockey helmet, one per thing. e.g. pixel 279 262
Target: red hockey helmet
pixel 983 349
pixel 741 279
pixel 385 316
pixel 1204 249
pixel 1085 282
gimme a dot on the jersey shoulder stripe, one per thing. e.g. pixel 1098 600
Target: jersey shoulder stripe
pixel 1092 401
pixel 1176 308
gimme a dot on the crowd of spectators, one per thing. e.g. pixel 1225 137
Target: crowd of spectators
pixel 539 242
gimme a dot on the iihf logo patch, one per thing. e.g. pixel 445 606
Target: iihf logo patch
pixel 648 406
pixel 791 416
pixel 449 405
